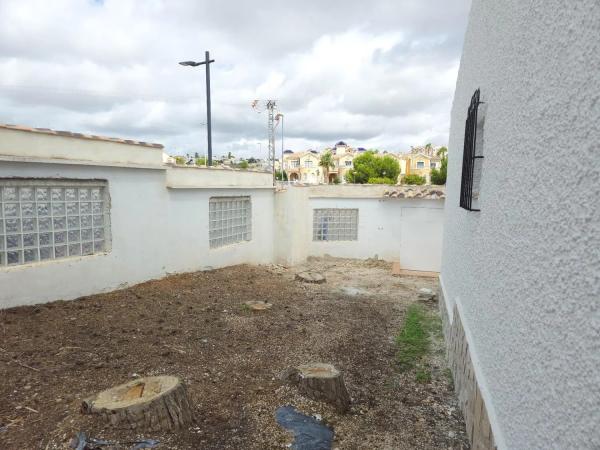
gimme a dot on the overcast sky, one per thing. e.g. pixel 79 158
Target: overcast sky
pixel 376 74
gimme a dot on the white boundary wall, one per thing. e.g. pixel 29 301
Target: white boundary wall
pixel 155 231
pixel 159 218
pixel 408 231
pixel 524 272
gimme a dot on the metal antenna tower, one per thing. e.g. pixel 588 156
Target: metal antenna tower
pixel 271 106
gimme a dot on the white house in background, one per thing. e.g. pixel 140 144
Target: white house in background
pixel 520 271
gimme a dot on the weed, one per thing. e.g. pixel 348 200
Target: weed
pixel 413 340
pixel 423 376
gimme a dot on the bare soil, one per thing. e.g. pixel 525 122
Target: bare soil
pixel 196 327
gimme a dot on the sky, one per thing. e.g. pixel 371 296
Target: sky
pixel 377 74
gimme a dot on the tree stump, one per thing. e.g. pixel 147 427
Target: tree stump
pixel 322 382
pixel 310 277
pixel 151 403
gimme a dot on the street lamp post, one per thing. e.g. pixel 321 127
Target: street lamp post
pixel 207 61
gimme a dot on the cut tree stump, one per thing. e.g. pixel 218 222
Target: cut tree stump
pixel 151 403
pixel 322 382
pixel 310 277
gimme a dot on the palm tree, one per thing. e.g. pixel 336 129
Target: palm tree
pixel 326 162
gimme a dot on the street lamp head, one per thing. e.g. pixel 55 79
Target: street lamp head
pixel 189 63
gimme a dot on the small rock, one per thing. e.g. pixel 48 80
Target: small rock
pixel 310 277
pixel 426 294
pixel 257 306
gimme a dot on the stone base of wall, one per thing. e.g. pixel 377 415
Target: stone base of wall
pixel 465 383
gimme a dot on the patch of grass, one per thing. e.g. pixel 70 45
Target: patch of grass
pixel 417 340
pixel 423 376
pixel 413 341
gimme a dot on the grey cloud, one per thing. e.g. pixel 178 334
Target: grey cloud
pixel 378 75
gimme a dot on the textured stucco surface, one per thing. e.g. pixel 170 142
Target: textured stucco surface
pixel 525 271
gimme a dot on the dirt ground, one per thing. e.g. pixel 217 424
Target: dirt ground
pixel 194 326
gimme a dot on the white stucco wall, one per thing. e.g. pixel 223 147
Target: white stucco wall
pixel 18 145
pixel 404 230
pixel 199 177
pixel 524 272
pixel 155 231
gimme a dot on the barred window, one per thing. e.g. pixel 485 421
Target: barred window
pixel 52 219
pixel 230 220
pixel 335 224
pixel 471 172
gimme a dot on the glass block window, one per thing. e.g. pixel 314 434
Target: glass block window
pixel 51 219
pixel 335 224
pixel 230 220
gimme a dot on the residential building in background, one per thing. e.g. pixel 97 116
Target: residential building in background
pixel 420 161
pixel 303 167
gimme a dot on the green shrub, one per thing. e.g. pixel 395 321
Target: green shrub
pixel 369 165
pixel 180 160
pixel 413 178
pixel 381 180
pixel 243 165
pixel 439 176
pixel 336 180
pixel 201 161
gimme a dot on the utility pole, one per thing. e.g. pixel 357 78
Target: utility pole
pixel 207 61
pixel 271 106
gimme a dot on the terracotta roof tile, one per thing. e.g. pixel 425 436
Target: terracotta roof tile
pixel 79 135
pixel 425 192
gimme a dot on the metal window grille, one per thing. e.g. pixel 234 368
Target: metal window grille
pixel 52 219
pixel 469 156
pixel 335 224
pixel 230 220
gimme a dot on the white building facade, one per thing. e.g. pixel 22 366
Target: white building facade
pixel 520 277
